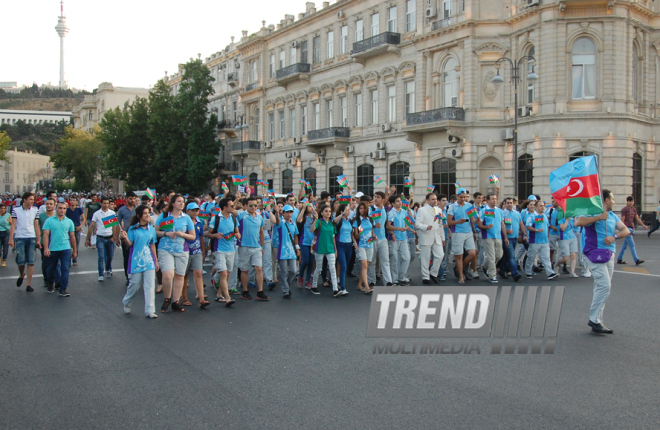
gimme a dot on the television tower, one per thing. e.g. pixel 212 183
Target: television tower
pixel 62 30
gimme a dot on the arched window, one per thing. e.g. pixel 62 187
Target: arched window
pixel 525 176
pixel 582 154
pixel 488 166
pixel 444 176
pixel 365 179
pixel 637 181
pixel 584 69
pixel 399 171
pixel 530 93
pixel 310 176
pixel 333 186
pixel 287 181
pixel 450 83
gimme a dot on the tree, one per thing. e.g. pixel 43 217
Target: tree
pixel 4 145
pixel 198 127
pixel 79 155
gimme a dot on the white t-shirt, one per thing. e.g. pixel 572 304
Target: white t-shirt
pixel 24 222
pixel 98 219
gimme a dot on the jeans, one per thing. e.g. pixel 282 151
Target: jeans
pixel 146 281
pixel 344 253
pixel 105 247
pixel 629 241
pixel 330 258
pixel 125 251
pixel 63 258
pixel 25 248
pixel 77 235
pixel 382 254
pixel 602 274
pixel 45 267
pixel 445 261
pixel 399 259
pixel 509 262
pixel 4 241
pixel 306 263
pixel 287 270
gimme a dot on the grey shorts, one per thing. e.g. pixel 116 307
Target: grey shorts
pixel 567 246
pixel 224 261
pixel 249 257
pixel 461 242
pixel 552 241
pixel 173 261
pixel 365 254
pixel 195 262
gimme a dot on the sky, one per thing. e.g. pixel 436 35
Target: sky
pixel 127 43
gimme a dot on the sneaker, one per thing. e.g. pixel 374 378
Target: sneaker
pixel 262 296
pixel 493 280
pixel 300 282
pixel 517 277
pixel 271 286
pixel 29 289
pixel 51 289
pixel 127 282
pixel 372 284
pixel 203 272
pixel 64 294
pixel 468 275
pixel 529 277
pixel 475 275
pixel 573 275
pixel 553 276
pixel 245 295
pixel 344 293
pixel 308 285
pixel 442 278
pixel 152 315
pixel 108 273
pixel 4 263
pixel 100 279
pixel 315 291
pixel 234 292
pixel 286 295
pixel 19 282
pixel 638 262
pixel 389 284
pixel 337 293
pixel 586 275
pixel 127 310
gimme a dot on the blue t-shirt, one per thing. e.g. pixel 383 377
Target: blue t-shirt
pixel 345 232
pixel 140 258
pixel 307 235
pixel 398 220
pixel 226 227
pixel 552 220
pixel 266 216
pixel 594 235
pixel 74 215
pixel 178 244
pixel 195 246
pixel 460 212
pixel 285 249
pixel 512 222
pixel 59 239
pixel 367 229
pixel 539 222
pixel 568 234
pixel 249 227
pixel 380 232
pixel 495 220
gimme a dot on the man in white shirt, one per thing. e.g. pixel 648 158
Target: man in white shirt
pixel 105 236
pixel 431 236
pixel 25 235
pixel 49 195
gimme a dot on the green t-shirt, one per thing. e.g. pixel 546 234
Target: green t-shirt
pixel 4 222
pixel 326 233
pixel 92 207
pixel 59 239
pixel 42 220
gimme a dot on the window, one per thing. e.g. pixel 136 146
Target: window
pixel 271 126
pixel 316 49
pixel 375 24
pixel 374 107
pixel 271 67
pixel 584 69
pixel 292 118
pixel 411 15
pixel 365 179
pixel 282 60
pixel 637 67
pixel 233 105
pixel 310 176
pixel 257 131
pixel 292 55
pixel 410 96
pixel 530 85
pixel 303 120
pixel 450 83
pixel 398 173
pixel 637 182
pixel 333 186
pixel 281 124
pixel 303 52
pixel 525 176
pixel 359 30
pixel 328 110
pixel 317 116
pixel 343 43
pixel 253 72
pixel 343 111
pixel 391 19
pixel 331 44
pixel 90 116
pixel 287 181
pixel 357 121
pixel 444 176
pixel 253 181
pixel 446 9
pixel 391 103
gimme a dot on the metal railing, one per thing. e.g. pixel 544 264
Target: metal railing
pixel 386 38
pixel 232 77
pixel 293 69
pixel 443 23
pixel 247 145
pixel 252 86
pixel 328 133
pixel 436 115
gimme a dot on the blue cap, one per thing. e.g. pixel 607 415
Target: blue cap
pixel 192 206
pixel 287 208
pixel 532 197
pixel 60 200
pixel 461 191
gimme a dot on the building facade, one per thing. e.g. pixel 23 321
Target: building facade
pixel 404 88
pixel 23 171
pixel 107 97
pixel 8 116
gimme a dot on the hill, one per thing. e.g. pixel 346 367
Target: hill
pixel 52 104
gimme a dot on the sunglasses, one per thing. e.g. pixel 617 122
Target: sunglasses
pixel 252 206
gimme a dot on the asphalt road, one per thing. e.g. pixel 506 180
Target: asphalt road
pixel 80 362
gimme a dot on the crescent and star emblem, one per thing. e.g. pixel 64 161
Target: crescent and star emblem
pixel 580 184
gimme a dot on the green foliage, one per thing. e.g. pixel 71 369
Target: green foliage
pixel 79 156
pixel 5 140
pixel 40 138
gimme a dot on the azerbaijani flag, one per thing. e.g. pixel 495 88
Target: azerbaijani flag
pixel 110 221
pixel 407 183
pixel 167 224
pixel 508 221
pixel 342 181
pixel 150 193
pixel 378 181
pixel 376 216
pixel 493 179
pixel 430 188
pixel 539 218
pixel 489 213
pixel 408 221
pixel 360 230
pixel 472 212
pixel 371 239
pixel 239 180
pixel 309 186
pixel 225 188
pixel 229 236
pixel 186 196
pixel 344 200
pixel 576 187
pixel 405 204
pixel 271 192
pixel 205 216
pixel 457 185
pixel 302 182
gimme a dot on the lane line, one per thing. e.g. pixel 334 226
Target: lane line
pixel 635 273
pixel 41 276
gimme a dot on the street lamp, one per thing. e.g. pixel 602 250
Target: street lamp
pixel 241 128
pixel 515 77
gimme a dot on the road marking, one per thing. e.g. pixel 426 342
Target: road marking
pixel 41 276
pixel 635 270
pixel 636 273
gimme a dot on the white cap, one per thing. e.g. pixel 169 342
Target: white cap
pixel 359 194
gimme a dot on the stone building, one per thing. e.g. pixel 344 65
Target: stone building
pixel 107 97
pixel 23 170
pixel 404 88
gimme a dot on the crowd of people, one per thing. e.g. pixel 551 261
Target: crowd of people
pixel 263 242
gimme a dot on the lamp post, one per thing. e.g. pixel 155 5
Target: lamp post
pixel 515 77
pixel 241 128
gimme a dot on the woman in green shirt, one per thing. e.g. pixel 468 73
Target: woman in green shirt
pixel 325 247
pixel 4 232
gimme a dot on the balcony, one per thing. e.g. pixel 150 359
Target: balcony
pixel 294 72
pixel 251 87
pixel 337 136
pixel 376 45
pixel 449 119
pixel 248 148
pixel 443 23
pixel 227 127
pixel 232 79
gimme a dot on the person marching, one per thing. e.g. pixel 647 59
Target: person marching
pixel 196 251
pixel 305 221
pixel 325 247
pixel 288 249
pixel 251 248
pixel 77 216
pixel 59 248
pixel 460 220
pixel 398 223
pixel 630 217
pixel 124 215
pixel 223 232
pixel 515 228
pixel 431 234
pixel 537 225
pixel 567 246
pixel 492 226
pixel 24 236
pixel 105 236
pixel 5 225
pixel 378 214
pixel 363 226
